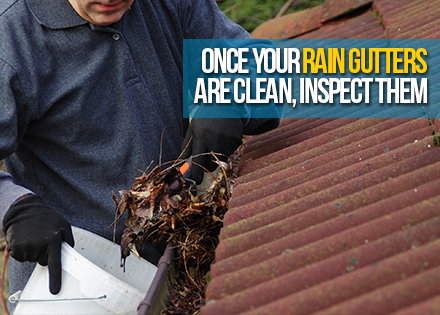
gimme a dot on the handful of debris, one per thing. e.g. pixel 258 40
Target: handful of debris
pixel 161 207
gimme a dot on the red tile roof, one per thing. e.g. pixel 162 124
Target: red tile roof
pixel 409 18
pixel 365 25
pixel 359 19
pixel 337 216
pixel 290 25
pixel 335 8
pixel 333 225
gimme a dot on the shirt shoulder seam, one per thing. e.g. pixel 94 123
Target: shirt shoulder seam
pixel 19 81
pixel 3 10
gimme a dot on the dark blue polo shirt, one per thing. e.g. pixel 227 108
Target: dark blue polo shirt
pixel 82 107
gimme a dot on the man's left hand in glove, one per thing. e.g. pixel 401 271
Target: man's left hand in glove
pixel 221 136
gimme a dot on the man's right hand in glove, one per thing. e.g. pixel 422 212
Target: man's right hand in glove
pixel 35 232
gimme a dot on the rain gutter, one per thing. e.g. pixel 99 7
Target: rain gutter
pixel 157 295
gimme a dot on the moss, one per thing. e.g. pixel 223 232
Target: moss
pixel 251 13
pixel 436 140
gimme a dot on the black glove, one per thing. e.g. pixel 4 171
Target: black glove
pixel 34 232
pixel 217 135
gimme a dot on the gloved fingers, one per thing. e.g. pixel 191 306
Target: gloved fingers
pixel 17 255
pixel 54 265
pixel 221 136
pixel 209 163
pixel 21 254
pixel 187 145
pixel 203 160
pixel 67 236
pixel 17 250
pixel 212 163
pixel 197 171
pixel 231 146
pixel 10 246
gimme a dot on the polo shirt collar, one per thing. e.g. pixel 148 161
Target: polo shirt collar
pixel 55 14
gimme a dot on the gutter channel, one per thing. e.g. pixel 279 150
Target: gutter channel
pixel 157 295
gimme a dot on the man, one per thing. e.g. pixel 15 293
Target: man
pixel 86 89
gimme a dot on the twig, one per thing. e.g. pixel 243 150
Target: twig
pixel 252 18
pixel 184 262
pixel 161 143
pixel 285 7
pixel 230 9
pixel 224 174
pixel 2 281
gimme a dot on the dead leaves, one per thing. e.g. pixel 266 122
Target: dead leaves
pixel 150 204
pixel 159 207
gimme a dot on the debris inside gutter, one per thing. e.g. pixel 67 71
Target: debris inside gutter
pixel 161 208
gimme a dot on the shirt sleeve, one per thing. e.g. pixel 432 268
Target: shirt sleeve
pixel 204 20
pixel 13 121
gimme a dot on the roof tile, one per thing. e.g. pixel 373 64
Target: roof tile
pixel 336 8
pixel 337 216
pixel 365 25
pixel 295 232
pixel 290 25
pixel 409 19
pixel 305 271
pixel 376 206
pixel 366 187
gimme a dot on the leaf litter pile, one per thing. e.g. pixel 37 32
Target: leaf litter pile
pixel 162 208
